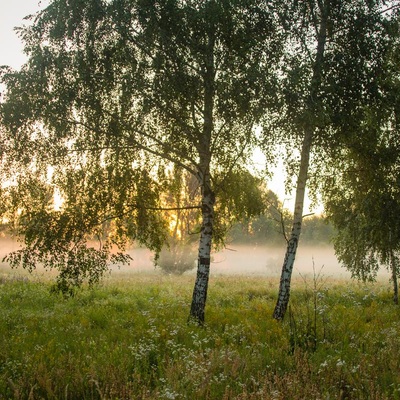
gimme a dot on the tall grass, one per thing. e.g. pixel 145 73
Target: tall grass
pixel 128 339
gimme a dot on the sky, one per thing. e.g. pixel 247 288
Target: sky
pixel 12 13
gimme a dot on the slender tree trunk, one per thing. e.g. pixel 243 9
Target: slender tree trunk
pixel 199 298
pixel 393 266
pixel 287 268
pixel 312 108
pixel 197 309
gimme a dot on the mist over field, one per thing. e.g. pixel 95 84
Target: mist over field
pixel 268 260
pixel 248 260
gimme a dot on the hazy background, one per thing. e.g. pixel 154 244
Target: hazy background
pixel 245 260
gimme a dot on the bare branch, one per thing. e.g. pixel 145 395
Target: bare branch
pixel 308 215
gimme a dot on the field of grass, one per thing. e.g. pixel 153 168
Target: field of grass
pixel 129 339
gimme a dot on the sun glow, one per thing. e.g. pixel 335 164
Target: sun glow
pixel 57 200
pixel 277 184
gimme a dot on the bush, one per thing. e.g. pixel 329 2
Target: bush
pixel 177 259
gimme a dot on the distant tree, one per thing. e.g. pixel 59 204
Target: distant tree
pixel 333 58
pixel 316 229
pixel 178 253
pixel 270 226
pixel 241 198
pixel 113 94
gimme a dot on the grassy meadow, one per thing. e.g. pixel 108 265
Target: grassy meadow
pixel 129 339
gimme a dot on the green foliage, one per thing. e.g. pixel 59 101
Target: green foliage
pixel 240 196
pixel 367 223
pixel 317 230
pixel 129 339
pixel 177 258
pixel 309 331
pixel 100 209
pixel 362 196
pixel 267 229
pixel 75 266
pixel 179 252
pixel 119 93
pixel 336 93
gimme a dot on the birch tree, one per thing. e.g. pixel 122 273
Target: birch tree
pixel 362 195
pixel 114 92
pixel 334 37
pixel 368 223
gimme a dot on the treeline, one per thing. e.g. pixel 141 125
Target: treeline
pixel 265 230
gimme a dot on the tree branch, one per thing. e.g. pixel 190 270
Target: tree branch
pixel 133 142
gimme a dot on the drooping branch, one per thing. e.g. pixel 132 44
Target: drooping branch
pixel 167 154
pixel 148 53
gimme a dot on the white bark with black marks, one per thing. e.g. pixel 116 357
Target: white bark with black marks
pixel 393 267
pixel 288 263
pixel 309 129
pixel 197 309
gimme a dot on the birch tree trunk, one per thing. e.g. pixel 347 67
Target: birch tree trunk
pixel 197 309
pixel 312 108
pixel 288 263
pixel 393 266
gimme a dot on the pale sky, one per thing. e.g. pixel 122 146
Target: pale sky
pixel 12 13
